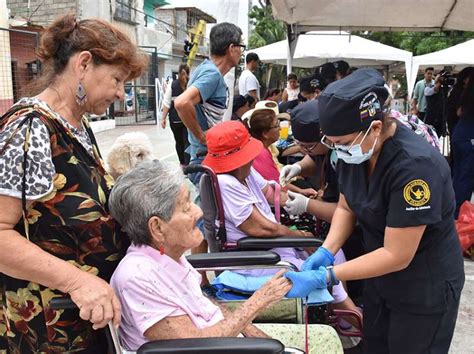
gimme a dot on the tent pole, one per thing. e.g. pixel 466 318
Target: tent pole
pixel 292 36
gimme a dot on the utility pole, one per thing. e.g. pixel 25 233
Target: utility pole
pixel 196 35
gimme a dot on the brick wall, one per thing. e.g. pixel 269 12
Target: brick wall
pixel 166 15
pixel 23 51
pixel 48 10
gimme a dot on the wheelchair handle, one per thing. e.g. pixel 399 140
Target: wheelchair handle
pixel 339 313
pixel 112 336
pixel 62 303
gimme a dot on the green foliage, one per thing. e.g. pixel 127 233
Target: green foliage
pixel 419 42
pixel 266 29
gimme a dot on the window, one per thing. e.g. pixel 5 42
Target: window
pixel 123 10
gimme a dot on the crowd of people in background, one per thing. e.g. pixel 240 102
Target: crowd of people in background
pixel 440 99
pixel 68 227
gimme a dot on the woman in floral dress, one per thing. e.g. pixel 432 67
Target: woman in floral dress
pixel 56 234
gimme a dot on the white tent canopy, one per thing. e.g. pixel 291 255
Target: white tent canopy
pixel 458 56
pixel 387 15
pixel 315 48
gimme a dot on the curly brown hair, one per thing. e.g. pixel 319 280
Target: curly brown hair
pixel 106 42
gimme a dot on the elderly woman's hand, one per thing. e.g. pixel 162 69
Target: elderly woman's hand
pixel 272 291
pixel 96 300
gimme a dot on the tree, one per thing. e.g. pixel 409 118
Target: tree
pixel 266 29
pixel 419 42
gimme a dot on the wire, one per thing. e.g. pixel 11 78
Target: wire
pixel 175 27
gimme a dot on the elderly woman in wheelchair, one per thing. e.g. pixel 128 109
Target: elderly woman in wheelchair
pixel 246 196
pixel 246 199
pixel 160 291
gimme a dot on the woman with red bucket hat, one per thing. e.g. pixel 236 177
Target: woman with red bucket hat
pixel 245 194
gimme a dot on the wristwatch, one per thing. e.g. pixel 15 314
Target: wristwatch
pixel 332 280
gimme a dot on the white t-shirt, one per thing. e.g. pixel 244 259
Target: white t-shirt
pixel 248 82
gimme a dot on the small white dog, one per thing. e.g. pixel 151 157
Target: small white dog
pixel 128 151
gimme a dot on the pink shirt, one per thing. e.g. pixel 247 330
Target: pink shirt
pixel 151 287
pixel 265 165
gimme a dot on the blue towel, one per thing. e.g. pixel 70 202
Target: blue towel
pixel 245 284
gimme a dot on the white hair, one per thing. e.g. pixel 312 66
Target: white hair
pixel 150 189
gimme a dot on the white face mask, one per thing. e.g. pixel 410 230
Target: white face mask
pixel 353 154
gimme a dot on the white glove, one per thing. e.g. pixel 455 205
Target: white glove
pixel 288 172
pixel 296 203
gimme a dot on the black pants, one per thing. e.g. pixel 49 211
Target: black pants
pixel 181 141
pixel 390 331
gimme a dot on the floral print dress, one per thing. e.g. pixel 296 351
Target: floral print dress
pixel 68 218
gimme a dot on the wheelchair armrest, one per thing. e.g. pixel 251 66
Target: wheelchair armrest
pixel 233 259
pixel 195 168
pixel 213 345
pixel 259 243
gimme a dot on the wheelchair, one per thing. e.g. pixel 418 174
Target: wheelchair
pixel 219 261
pixel 215 234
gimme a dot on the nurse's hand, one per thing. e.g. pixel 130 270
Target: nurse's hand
pixel 322 257
pixel 306 282
pixel 288 172
pixel 296 204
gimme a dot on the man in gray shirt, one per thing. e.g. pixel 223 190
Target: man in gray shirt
pixel 419 100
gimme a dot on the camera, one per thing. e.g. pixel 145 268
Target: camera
pixel 447 79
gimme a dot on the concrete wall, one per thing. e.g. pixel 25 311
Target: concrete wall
pixel 95 9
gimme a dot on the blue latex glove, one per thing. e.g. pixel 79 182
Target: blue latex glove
pixel 322 257
pixel 306 282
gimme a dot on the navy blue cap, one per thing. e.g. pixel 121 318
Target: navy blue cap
pixel 349 105
pixel 327 71
pixel 305 122
pixel 312 83
pixel 341 67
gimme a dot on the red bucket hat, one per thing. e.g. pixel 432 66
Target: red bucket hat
pixel 230 146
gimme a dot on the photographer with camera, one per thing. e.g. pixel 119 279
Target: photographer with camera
pixel 436 94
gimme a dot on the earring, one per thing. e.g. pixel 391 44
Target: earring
pixel 81 96
pixel 162 250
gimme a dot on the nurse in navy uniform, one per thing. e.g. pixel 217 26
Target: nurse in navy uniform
pixel 398 188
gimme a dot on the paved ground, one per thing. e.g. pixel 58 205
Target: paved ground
pixel 163 148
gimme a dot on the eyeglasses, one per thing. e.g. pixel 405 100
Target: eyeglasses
pixel 242 46
pixel 306 147
pixel 274 127
pixel 344 148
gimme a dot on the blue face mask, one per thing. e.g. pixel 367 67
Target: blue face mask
pixel 353 154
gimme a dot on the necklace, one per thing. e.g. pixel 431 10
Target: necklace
pixel 77 122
